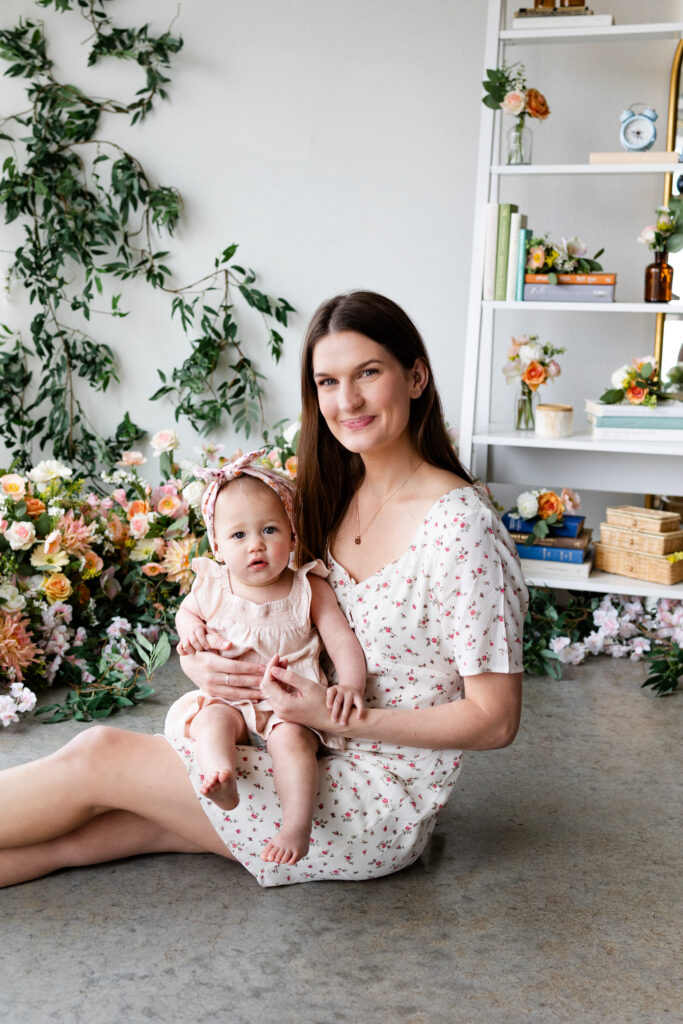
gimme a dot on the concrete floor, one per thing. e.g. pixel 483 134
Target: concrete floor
pixel 547 895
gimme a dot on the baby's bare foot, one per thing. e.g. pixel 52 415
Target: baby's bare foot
pixel 221 787
pixel 288 846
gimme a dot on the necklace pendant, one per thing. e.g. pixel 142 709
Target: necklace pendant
pixel 357 539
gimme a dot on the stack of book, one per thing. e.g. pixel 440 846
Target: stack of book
pixel 594 287
pixel 564 552
pixel 626 422
pixel 559 17
pixel 642 543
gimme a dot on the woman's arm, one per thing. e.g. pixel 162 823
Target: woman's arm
pixel 218 676
pixel 485 719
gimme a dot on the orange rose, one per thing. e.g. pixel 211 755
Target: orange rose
pixel 117 530
pixel 549 504
pixel 534 375
pixel 57 587
pixel 536 105
pixel 152 569
pixel 137 508
pixel 34 507
pixel 636 395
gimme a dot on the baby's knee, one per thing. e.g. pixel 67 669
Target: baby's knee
pixel 289 736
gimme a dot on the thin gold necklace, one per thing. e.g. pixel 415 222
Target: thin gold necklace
pixel 368 525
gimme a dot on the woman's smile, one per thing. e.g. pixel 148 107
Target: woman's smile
pixel 357 423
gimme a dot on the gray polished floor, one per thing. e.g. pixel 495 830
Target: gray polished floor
pixel 550 892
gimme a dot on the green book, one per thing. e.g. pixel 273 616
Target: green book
pixel 505 211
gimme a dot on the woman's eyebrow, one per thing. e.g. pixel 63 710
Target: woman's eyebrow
pixel 361 366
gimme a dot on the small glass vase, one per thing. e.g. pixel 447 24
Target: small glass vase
pixel 524 416
pixel 518 141
pixel 658 279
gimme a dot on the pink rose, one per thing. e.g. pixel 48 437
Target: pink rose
pixel 21 536
pixel 553 369
pixel 139 525
pixel 132 458
pixel 120 495
pixel 514 102
pixel 106 505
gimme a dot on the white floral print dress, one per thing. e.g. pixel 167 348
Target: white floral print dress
pixel 452 605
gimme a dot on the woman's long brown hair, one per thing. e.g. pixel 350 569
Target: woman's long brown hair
pixel 328 475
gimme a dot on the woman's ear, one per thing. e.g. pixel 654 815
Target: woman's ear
pixel 418 377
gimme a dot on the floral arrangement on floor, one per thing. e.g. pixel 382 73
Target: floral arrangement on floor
pixel 565 257
pixel 545 509
pixel 638 383
pixel 666 234
pixel 90 582
pixel 506 90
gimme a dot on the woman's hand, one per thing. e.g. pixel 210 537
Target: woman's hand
pixel 295 698
pixel 217 675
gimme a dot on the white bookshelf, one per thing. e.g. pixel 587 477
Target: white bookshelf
pixel 505 456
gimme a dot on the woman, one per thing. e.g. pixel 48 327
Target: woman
pixel 429 581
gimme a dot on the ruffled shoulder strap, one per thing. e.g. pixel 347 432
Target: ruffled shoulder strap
pixel 208 568
pixel 317 567
pixel 301 593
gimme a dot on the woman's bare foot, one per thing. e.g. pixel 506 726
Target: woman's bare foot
pixel 221 787
pixel 288 846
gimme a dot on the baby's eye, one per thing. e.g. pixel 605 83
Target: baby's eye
pixel 270 529
pixel 238 535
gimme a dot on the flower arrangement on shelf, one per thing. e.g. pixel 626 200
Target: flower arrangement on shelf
pixel 533 364
pixel 666 234
pixel 565 257
pixel 544 509
pixel 90 582
pixel 506 90
pixel 638 383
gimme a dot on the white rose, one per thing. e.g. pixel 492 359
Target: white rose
pixel 192 493
pixel 512 369
pixel 619 378
pixel 529 353
pixel 527 505
pixel 12 600
pixel 50 469
pixel 164 441
pixel 291 431
pixel 21 536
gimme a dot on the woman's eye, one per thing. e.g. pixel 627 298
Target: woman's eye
pixel 371 370
pixel 325 381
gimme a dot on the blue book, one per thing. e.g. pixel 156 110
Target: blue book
pixel 543 554
pixel 570 526
pixel 524 235
pixel 653 422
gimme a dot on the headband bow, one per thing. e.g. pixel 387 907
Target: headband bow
pixel 243 466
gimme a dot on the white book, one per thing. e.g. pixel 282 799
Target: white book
pixel 517 221
pixel 634 434
pixel 566 21
pixel 490 251
pixel 597 408
pixel 543 570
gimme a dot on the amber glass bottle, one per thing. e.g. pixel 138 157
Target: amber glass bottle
pixel 658 279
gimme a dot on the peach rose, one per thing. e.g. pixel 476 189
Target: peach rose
pixel 549 504
pixel 132 458
pixel 534 375
pixel 536 105
pixel 139 525
pixel 513 102
pixel 13 485
pixel 34 507
pixel 636 395
pixel 137 508
pixel 117 530
pixel 152 569
pixel 57 587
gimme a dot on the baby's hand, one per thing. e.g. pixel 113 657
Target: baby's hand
pixel 194 640
pixel 341 700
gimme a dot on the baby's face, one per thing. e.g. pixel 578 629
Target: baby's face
pixel 253 533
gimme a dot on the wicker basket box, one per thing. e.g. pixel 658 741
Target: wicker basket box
pixel 640 566
pixel 650 520
pixel 639 540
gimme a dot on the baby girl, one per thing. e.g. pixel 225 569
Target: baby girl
pixel 252 598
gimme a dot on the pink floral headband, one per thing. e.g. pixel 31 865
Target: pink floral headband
pixel 244 466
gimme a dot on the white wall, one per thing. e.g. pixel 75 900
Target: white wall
pixel 336 142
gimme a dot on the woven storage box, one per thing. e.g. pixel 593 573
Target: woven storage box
pixel 639 540
pixel 648 519
pixel 655 568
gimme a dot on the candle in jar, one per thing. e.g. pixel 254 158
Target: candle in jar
pixel 554 420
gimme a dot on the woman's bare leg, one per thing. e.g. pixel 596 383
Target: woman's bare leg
pixel 102 769
pixel 217 728
pixel 293 749
pixel 110 836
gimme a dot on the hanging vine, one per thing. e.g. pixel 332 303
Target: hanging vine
pixel 89 213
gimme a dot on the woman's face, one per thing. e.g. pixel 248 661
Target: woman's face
pixel 364 393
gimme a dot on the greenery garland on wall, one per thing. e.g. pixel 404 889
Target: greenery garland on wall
pixel 90 212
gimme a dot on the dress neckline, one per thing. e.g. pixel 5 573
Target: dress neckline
pixel 411 545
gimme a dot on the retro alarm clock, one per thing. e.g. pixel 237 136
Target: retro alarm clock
pixel 638 131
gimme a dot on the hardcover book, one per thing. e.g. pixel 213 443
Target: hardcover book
pixel 596 278
pixel 569 293
pixel 566 570
pixel 524 235
pixel 582 541
pixel 505 211
pixel 641 412
pixel 542 554
pixel 569 527
pixel 635 434
pixel 653 423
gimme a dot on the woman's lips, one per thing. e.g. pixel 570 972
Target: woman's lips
pixel 358 423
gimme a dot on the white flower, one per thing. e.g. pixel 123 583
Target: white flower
pixel 48 470
pixel 527 505
pixel 594 643
pixel 290 432
pixel 118 627
pixel 8 710
pixel 164 441
pixel 619 378
pixel 512 369
pixel 647 235
pixel 20 536
pixel 12 600
pixel 574 247
pixel 558 643
pixel 529 353
pixel 131 457
pixel 192 493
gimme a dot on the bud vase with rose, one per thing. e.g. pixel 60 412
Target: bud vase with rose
pixel 663 237
pixel 506 90
pixel 532 364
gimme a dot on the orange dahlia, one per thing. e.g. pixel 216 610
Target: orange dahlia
pixel 17 650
